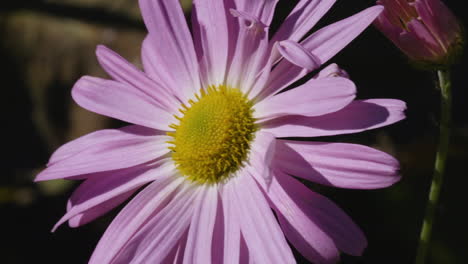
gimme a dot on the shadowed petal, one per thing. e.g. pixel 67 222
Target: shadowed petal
pixel 299 226
pixel 232 233
pixel 200 234
pixel 315 98
pixel 317 227
pixel 262 153
pixel 100 190
pixel 97 211
pixel 130 220
pixel 262 234
pixel 356 117
pixel 337 164
pixel 155 239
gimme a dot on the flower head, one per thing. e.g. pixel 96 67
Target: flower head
pixel 425 30
pixel 206 146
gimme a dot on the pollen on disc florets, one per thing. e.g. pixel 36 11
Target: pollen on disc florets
pixel 212 139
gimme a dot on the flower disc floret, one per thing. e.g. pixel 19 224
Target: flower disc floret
pixel 212 139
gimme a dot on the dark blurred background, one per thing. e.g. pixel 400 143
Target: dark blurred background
pixel 46 45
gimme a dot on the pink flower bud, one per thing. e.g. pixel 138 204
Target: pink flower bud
pixel 425 30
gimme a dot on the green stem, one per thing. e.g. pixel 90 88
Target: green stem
pixel 439 167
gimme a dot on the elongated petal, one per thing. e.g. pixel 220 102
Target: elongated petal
pixel 299 225
pixel 121 101
pixel 99 137
pixel 148 202
pixel 263 236
pixel 232 232
pixel 155 239
pixel 154 66
pixel 104 186
pixel 211 36
pixel 245 256
pixel 337 164
pixel 323 44
pixel 315 98
pixel 97 211
pixel 301 20
pixel 200 234
pixel 356 117
pixel 123 71
pixel 125 151
pixel 328 41
pixel 322 224
pixel 251 54
pixel 172 42
pixel 217 246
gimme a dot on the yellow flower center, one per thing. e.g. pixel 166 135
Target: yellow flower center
pixel 212 139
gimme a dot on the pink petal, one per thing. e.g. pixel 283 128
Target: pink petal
pixel 244 256
pixel 133 216
pixel 301 20
pixel 232 233
pixel 155 239
pixel 100 137
pixel 217 246
pixel 211 36
pixel 176 255
pixel 201 229
pixel 316 219
pixel 155 68
pixel 172 42
pixel 261 156
pixel 315 98
pixel 124 151
pixel 121 101
pixel 329 40
pixel 122 71
pixel 105 186
pixel 264 238
pixel 324 44
pixel 251 53
pixel 298 221
pixel 95 212
pixel 298 55
pixel 337 164
pixel 356 117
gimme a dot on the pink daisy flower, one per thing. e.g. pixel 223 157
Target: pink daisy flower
pixel 206 147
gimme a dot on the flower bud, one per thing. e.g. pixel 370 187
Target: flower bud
pixel 425 30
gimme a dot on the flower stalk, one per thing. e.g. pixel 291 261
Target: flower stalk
pixel 439 166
